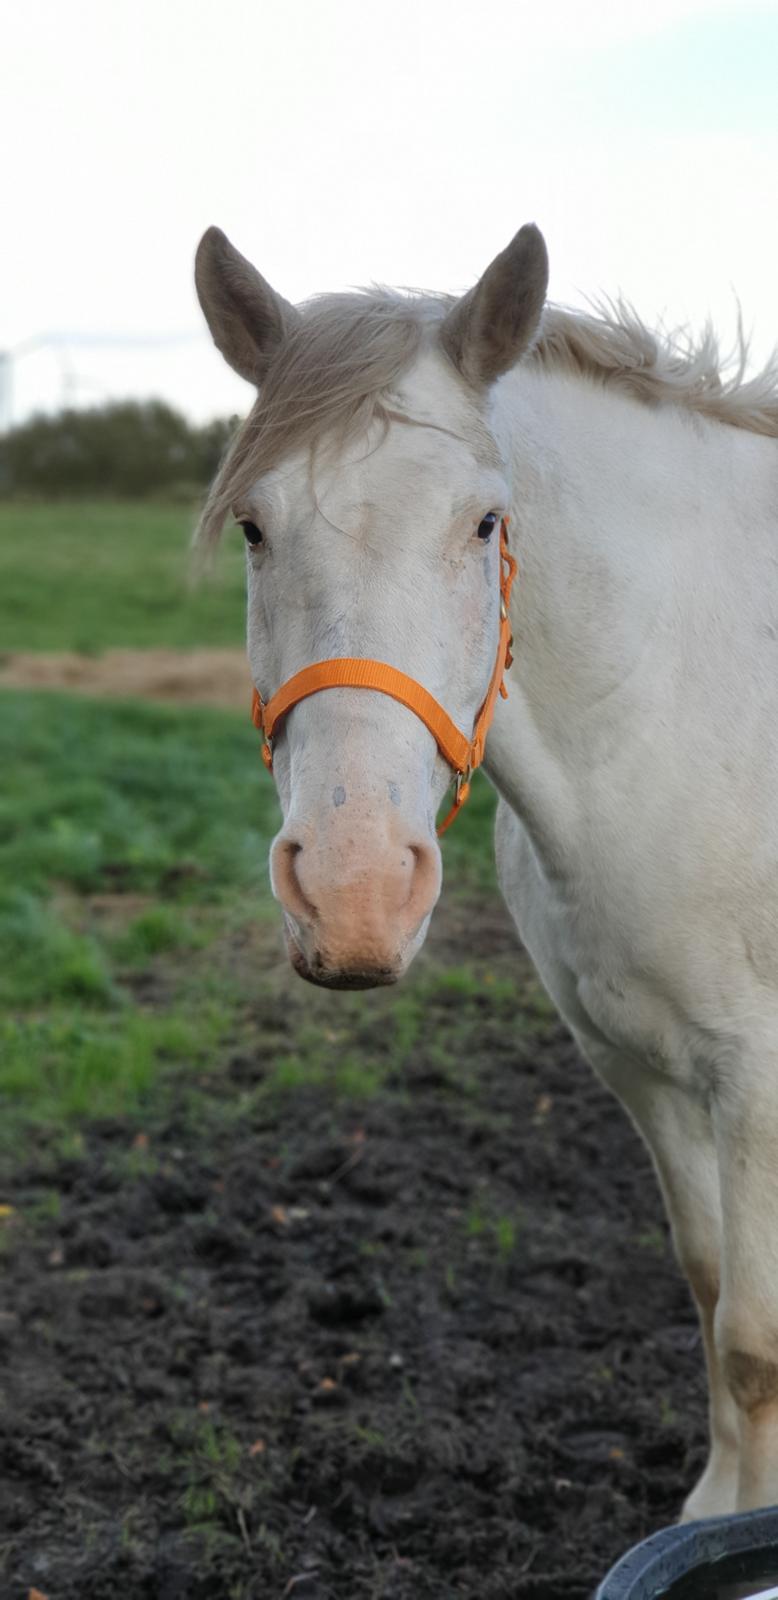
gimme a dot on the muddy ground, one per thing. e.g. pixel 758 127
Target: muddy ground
pixel 179 677
pixel 426 1344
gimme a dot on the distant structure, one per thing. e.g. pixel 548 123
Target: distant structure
pixel 62 344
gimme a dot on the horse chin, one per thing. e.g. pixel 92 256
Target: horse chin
pixel 338 978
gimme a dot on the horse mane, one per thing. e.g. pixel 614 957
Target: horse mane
pixel 613 346
pixel 338 368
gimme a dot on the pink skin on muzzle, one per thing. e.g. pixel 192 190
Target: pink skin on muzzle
pixel 357 891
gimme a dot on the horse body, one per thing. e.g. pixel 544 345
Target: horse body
pixel 638 748
pixel 637 834
pixel 636 756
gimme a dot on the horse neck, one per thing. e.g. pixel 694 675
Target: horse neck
pixel 628 526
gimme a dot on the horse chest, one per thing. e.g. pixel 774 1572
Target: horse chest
pixel 593 957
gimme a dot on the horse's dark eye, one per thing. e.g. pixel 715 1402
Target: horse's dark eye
pixel 252 534
pixel 487 527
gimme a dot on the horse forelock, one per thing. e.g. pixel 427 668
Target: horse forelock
pixel 334 376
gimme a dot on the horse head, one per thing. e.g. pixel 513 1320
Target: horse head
pixel 371 491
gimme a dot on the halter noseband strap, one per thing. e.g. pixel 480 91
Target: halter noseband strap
pixel 462 754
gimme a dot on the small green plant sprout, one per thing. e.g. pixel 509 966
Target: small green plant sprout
pixel 215 1489
pixel 505 1232
pixel 500 1230
pixel 667 1414
pixel 475 1221
pixel 652 1239
pixel 46 1207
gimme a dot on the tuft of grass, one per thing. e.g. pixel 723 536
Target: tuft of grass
pixel 68 1065
pixel 348 1077
pixel 505 1230
pixel 475 1223
pixel 218 1489
pixel 137 1162
pixel 501 1231
pixel 407 1016
pixel 653 1240
pixel 470 983
pixel 130 797
pixel 42 960
pixel 667 1413
pixel 154 932
pixel 370 1436
pixel 68 1145
pixel 45 1208
pixel 199 1503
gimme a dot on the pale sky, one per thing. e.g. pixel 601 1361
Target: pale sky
pixel 341 142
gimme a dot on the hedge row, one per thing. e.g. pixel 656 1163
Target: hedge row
pixel 127 448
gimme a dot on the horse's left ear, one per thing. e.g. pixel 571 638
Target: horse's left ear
pixel 487 331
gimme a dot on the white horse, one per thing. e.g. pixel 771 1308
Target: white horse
pixel 636 757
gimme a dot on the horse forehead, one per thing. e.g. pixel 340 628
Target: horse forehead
pixel 392 491
pixel 409 461
pixel 427 445
pixel 435 399
pixel 428 439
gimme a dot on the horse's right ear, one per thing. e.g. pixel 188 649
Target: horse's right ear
pixel 249 322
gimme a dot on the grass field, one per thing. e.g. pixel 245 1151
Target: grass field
pixel 92 576
pixel 126 835
pixel 133 864
pixel 133 839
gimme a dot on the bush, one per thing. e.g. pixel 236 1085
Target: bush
pixel 128 448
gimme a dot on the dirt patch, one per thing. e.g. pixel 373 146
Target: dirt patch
pixel 196 677
pixel 422 1345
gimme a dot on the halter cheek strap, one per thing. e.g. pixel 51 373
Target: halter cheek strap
pixel 462 754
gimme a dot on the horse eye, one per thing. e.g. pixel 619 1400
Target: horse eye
pixel 252 534
pixel 486 528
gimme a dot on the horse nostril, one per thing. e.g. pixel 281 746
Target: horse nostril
pixel 285 879
pixel 425 879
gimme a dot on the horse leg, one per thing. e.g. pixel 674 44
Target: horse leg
pixel 746 1324
pixel 679 1134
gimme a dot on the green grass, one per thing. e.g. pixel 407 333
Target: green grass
pixel 41 959
pixel 92 576
pixel 133 873
pixel 160 929
pixel 69 1064
pixel 501 1231
pixel 131 797
pixel 102 807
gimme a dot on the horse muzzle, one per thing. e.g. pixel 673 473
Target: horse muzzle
pixel 355 915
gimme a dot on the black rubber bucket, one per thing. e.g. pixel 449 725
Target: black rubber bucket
pixel 725 1558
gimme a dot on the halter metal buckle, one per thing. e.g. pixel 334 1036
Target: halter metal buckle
pixel 463 782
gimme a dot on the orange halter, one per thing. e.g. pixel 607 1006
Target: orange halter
pixel 461 753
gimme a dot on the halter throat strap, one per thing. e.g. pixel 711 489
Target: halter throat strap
pixel 353 672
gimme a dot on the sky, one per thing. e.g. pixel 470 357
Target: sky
pixel 344 142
